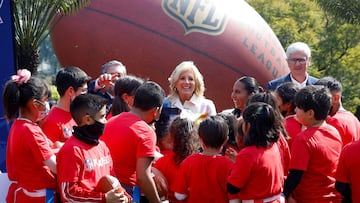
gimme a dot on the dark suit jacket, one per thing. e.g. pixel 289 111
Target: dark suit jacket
pixel 273 84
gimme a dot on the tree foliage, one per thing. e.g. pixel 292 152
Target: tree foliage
pixel 347 10
pixel 335 45
pixel 31 20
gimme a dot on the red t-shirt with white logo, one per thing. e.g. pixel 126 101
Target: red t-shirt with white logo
pixel 58 125
pixel 83 164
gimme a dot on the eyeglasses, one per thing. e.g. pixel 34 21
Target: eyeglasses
pixel 295 60
pixel 46 104
pixel 40 102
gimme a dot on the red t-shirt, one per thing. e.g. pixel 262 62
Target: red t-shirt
pixel 27 149
pixel 258 172
pixel 316 151
pixel 169 169
pixel 109 115
pixel 292 127
pixel 78 162
pixel 347 125
pixel 285 153
pixel 203 178
pixel 349 167
pixel 58 125
pixel 128 138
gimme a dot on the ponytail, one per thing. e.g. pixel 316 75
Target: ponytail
pixel 11 99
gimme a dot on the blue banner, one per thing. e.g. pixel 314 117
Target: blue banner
pixel 7 68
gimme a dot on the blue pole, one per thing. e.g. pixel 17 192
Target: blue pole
pixel 7 68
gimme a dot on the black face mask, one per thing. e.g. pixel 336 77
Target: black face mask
pixel 89 134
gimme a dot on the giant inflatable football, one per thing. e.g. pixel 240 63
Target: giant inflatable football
pixel 226 39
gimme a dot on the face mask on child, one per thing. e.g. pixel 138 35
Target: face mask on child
pixel 90 133
pixel 43 114
pixel 95 130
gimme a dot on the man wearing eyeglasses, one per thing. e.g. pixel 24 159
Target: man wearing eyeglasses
pixel 104 84
pixel 298 58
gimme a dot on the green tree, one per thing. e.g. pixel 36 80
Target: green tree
pixel 348 10
pixel 31 20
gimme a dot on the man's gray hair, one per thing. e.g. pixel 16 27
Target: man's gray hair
pixel 298 46
pixel 105 67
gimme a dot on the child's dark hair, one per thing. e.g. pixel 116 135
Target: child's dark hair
pixel 17 95
pixel 213 131
pixel 125 85
pixel 240 134
pixel 185 138
pixel 232 122
pixel 86 104
pixel 70 77
pixel 149 95
pixel 164 121
pixel 266 97
pixel 316 98
pixel 331 83
pixel 250 85
pixel 269 97
pixel 287 91
pixel 263 130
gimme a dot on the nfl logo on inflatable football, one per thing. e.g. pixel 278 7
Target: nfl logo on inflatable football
pixel 196 16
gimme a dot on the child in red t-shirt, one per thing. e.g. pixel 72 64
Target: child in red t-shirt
pixel 285 94
pixel 30 160
pixel 258 174
pixel 124 90
pixel 184 142
pixel 347 173
pixel 132 141
pixel 70 82
pixel 315 151
pixel 344 121
pixel 270 98
pixel 84 159
pixel 202 177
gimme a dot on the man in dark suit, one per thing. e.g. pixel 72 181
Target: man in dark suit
pixel 104 84
pixel 298 58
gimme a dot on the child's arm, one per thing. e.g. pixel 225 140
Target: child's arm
pixel 232 189
pixel 51 163
pixel 180 186
pixel 292 181
pixel 144 179
pixel 72 192
pixel 344 189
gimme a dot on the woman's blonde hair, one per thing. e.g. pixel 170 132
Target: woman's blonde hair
pixel 174 77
